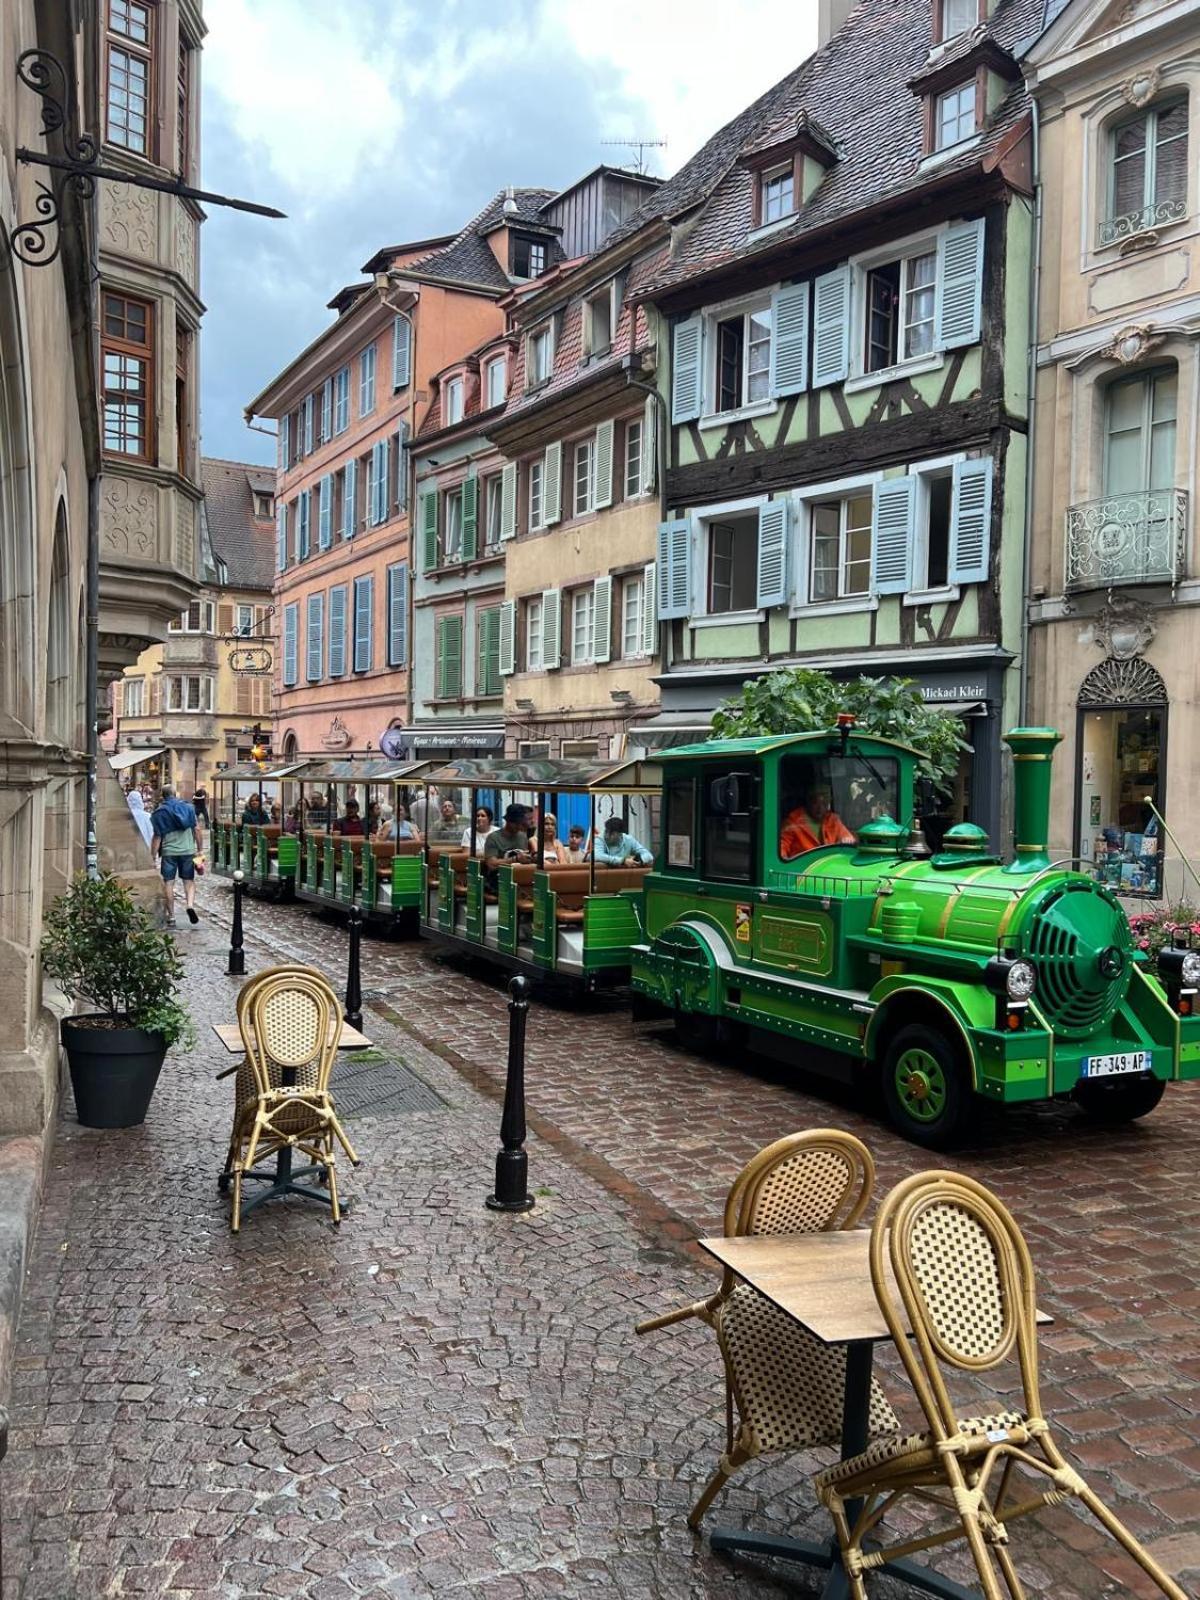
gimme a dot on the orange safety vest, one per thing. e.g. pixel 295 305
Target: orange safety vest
pixel 801 833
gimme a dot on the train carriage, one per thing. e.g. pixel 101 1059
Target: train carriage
pixel 570 923
pixel 264 852
pixel 787 899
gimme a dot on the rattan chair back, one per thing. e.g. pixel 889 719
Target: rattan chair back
pixel 292 1022
pixel 964 1279
pixel 813 1182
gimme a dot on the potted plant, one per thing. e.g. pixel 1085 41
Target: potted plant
pixel 101 946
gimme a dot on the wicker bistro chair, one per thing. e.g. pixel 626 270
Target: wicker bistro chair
pixel 288 1021
pixel 783 1387
pixel 964 1282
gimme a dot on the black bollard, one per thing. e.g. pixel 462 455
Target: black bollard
pixel 353 1011
pixel 237 956
pixel 512 1162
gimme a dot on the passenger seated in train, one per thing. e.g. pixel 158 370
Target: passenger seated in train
pixel 483 826
pixel 812 824
pixel 350 826
pixel 554 851
pixel 448 827
pixel 575 851
pixel 395 827
pixel 616 848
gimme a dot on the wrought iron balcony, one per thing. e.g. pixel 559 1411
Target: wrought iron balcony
pixel 1158 215
pixel 1127 538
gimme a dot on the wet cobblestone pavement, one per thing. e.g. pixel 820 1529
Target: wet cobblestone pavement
pixel 437 1400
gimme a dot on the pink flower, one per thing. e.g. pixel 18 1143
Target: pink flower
pixel 1143 944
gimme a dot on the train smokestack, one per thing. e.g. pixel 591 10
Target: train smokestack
pixel 1033 755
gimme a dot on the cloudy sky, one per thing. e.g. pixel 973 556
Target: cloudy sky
pixel 373 121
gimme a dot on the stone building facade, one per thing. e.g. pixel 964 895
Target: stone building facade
pixel 1114 612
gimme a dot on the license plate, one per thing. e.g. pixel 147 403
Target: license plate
pixel 1110 1066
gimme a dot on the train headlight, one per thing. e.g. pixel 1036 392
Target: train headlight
pixel 1189 969
pixel 1180 966
pixel 1020 980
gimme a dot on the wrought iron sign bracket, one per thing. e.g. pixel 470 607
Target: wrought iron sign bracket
pixel 36 243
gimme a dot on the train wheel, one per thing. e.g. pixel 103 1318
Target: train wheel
pixel 1113 1103
pixel 924 1088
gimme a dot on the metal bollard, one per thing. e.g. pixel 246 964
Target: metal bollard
pixel 353 1011
pixel 512 1162
pixel 237 956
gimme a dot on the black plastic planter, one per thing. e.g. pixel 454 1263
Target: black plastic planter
pixel 113 1071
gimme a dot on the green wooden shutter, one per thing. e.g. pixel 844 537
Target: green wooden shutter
pixel 429 530
pixel 449 658
pixel 488 641
pixel 470 517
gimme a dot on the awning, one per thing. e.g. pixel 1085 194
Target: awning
pixel 670 728
pixel 961 708
pixel 130 758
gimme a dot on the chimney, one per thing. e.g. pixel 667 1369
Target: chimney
pixel 830 16
pixel 1032 752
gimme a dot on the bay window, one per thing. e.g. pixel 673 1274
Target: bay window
pixel 130 48
pixel 189 692
pixel 127 353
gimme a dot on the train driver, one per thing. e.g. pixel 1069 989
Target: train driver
pixel 808 826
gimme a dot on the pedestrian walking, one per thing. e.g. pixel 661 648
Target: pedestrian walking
pixel 200 802
pixel 141 816
pixel 177 843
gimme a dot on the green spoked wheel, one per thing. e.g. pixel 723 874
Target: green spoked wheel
pixel 924 1087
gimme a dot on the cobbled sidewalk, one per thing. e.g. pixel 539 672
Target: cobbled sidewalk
pixel 437 1400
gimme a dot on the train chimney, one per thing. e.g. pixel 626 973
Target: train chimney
pixel 1032 752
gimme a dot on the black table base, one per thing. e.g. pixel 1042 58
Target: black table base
pixel 856 1411
pixel 282 1181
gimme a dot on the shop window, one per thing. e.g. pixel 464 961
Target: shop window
pixel 1121 775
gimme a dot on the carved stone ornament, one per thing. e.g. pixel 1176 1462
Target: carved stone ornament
pixel 338 737
pixel 1132 342
pixel 1123 683
pixel 1123 629
pixel 1142 87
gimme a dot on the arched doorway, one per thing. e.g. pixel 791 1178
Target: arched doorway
pixel 1121 774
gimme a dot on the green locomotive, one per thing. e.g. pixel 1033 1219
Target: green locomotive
pixel 786 898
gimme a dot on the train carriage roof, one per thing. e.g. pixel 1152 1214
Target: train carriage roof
pixel 362 769
pixel 767 744
pixel 243 771
pixel 607 777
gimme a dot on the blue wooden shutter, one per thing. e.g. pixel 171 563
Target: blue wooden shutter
pixel 291 625
pixel 281 539
pixel 789 339
pixel 305 524
pixel 958 297
pixel 508 638
pixel 364 598
pixel 325 512
pixel 315 651
pixel 327 410
pixel 398 614
pixel 831 327
pixel 401 348
pixel 687 369
pixel 971 521
pixel 892 534
pixel 674 568
pixel 337 631
pixel 402 467
pixel 350 495
pixel 773 538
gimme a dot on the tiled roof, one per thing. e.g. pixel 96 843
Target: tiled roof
pixel 244 542
pixel 469 258
pixel 856 90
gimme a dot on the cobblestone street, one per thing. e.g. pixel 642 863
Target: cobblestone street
pixel 437 1400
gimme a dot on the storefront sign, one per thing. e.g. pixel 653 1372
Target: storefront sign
pixel 942 689
pixel 401 742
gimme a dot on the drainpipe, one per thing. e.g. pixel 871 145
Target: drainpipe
pixel 1035 274
pixel 660 470
pixel 92 624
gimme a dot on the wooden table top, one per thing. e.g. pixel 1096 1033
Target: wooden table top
pixel 823 1280
pixel 231 1037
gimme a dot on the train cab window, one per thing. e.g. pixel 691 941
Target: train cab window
pixel 680 832
pixel 827 799
pixel 729 805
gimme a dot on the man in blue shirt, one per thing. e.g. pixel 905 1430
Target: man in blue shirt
pixel 616 848
pixel 176 843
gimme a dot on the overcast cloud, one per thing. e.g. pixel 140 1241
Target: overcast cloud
pixel 374 121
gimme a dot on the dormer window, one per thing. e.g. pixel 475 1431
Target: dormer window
pixel 598 322
pixel 954 116
pixel 528 256
pixel 539 356
pixel 264 505
pixel 955 17
pixel 778 193
pixel 495 375
pixel 454 402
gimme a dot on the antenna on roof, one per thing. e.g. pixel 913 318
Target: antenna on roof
pixel 640 146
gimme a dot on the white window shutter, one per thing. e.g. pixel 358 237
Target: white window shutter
pixel 687 369
pixel 401 351
pixel 958 297
pixel 674 568
pixel 508 501
pixel 971 521
pixel 650 609
pixel 892 534
pixel 789 339
pixel 551 629
pixel 773 537
pixel 602 619
pixel 552 485
pixel 602 466
pixel 831 327
pixel 508 638
pixel 650 445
